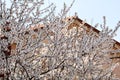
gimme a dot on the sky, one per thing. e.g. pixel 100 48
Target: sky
pixel 93 11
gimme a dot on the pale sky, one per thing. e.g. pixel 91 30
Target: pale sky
pixel 93 11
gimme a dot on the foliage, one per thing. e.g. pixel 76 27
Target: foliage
pixel 36 44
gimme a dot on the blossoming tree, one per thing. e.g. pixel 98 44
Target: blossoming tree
pixel 36 44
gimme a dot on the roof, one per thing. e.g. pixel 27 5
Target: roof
pixel 76 22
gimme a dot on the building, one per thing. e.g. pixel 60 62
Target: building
pixel 75 23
